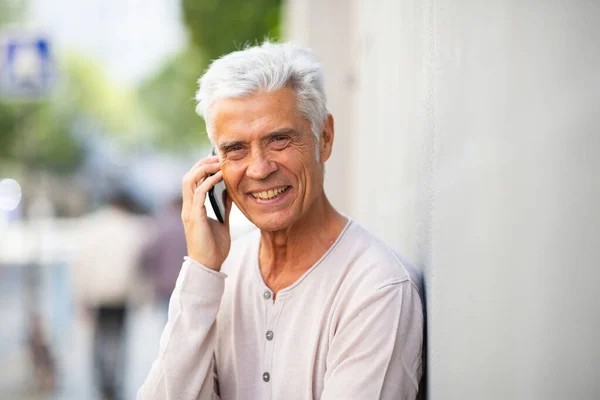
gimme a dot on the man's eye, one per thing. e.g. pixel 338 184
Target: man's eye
pixel 235 152
pixel 280 142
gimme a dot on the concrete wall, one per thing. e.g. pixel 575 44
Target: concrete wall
pixel 467 137
pixel 330 29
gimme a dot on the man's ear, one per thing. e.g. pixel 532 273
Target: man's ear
pixel 326 141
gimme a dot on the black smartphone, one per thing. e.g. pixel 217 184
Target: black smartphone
pixel 216 195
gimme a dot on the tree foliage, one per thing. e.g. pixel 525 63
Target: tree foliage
pixel 216 27
pixel 33 134
pixel 168 102
pixel 41 134
pixel 221 26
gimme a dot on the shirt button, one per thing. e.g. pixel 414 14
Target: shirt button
pixel 269 335
pixel 266 377
pixel 267 295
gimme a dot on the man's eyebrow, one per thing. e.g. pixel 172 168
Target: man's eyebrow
pixel 227 145
pixel 284 131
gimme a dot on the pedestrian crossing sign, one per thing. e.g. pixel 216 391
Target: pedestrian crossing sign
pixel 26 68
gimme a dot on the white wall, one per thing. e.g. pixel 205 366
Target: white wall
pixel 467 137
pixel 330 31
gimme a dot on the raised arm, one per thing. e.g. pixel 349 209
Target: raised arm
pixel 184 367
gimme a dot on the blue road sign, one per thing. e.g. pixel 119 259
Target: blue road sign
pixel 26 67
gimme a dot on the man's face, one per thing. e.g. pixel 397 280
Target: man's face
pixel 268 157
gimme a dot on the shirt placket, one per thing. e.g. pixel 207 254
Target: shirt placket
pixel 274 308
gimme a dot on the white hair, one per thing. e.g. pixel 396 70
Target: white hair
pixel 267 67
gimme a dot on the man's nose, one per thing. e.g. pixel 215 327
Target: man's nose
pixel 261 166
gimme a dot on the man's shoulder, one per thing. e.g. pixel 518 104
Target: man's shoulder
pixel 373 261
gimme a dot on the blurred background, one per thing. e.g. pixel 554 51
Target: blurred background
pixel 97 128
pixel 466 138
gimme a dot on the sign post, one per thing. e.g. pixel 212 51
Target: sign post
pixel 26 67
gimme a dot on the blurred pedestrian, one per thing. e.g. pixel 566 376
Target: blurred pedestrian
pixel 161 259
pixel 111 240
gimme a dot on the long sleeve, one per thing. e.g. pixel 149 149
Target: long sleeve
pixel 377 348
pixel 184 368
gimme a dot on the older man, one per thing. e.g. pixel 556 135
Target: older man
pixel 310 305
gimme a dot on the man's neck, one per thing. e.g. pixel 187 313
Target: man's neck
pixel 285 255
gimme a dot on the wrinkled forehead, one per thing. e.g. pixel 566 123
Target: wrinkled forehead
pixel 254 115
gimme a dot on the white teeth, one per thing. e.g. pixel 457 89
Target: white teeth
pixel 269 194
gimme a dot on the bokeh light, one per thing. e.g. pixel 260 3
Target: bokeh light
pixel 10 194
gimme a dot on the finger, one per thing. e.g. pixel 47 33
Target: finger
pixel 195 176
pixel 202 190
pixel 199 174
pixel 190 184
pixel 205 160
pixel 200 163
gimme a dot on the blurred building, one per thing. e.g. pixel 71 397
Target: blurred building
pixel 466 137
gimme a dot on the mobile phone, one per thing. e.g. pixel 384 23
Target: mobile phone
pixel 216 196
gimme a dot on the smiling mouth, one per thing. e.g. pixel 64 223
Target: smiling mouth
pixel 270 194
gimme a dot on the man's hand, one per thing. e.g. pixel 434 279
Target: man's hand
pixel 208 240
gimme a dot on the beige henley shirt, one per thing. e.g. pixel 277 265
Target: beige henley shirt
pixel 350 328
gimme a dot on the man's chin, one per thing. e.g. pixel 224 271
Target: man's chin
pixel 271 223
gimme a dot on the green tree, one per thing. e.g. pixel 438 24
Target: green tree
pixel 168 102
pixel 216 27
pixel 221 26
pixel 40 134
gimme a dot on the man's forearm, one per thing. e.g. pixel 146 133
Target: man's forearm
pixel 184 367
